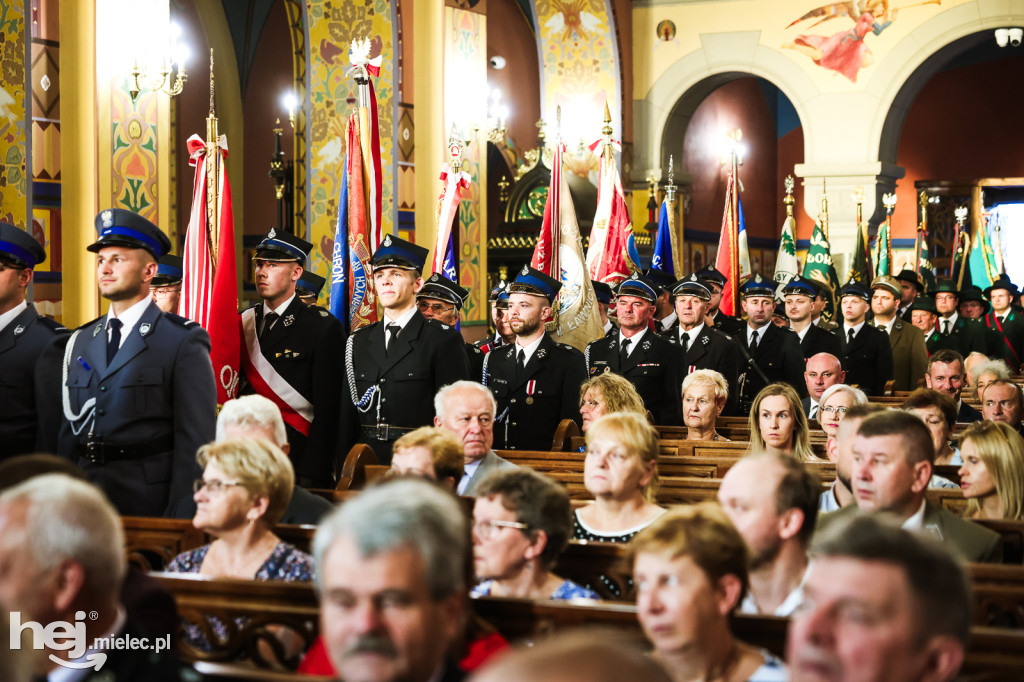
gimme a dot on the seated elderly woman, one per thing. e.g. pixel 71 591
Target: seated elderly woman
pixel 245 488
pixel 992 473
pixel 607 393
pixel 704 394
pixel 938 412
pixel 835 401
pixel 429 452
pixel 983 374
pixel 778 423
pixel 690 570
pixel 521 523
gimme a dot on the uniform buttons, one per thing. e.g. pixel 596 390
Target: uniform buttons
pixel 101 412
pixel 103 388
pixel 513 400
pixel 514 424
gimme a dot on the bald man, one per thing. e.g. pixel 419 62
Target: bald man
pixel 823 370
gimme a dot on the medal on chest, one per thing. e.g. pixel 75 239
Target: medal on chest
pixel 531 387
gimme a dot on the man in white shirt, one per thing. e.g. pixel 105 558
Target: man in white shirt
pixel 772 500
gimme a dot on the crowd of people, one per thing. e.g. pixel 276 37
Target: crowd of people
pixel 128 403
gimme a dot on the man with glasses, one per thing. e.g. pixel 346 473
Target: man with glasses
pixel 441 299
pixel 956 333
pixel 536 380
pixel 292 356
pixel 166 284
pixel 24 333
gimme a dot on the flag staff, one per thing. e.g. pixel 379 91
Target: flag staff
pixel 824 209
pixel 213 173
pixel 889 200
pixel 734 136
pixel 960 244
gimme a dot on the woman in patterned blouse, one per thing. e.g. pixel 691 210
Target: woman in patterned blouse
pixel 244 491
pixel 521 523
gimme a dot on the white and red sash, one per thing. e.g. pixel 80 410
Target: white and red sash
pixel 296 410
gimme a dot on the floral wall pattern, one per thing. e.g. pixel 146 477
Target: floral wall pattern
pixel 14 188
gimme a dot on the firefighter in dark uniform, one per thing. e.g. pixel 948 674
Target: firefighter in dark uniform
pixel 498 300
pixel 24 334
pixel 867 355
pixel 394 367
pixel 800 294
pixel 769 353
pixel 1007 324
pixel 441 299
pixel 309 287
pixel 166 285
pixel 138 396
pixel 536 381
pixel 715 282
pixel 702 346
pixel 956 333
pixel 604 295
pixel 664 315
pixel 301 347
pixel 650 362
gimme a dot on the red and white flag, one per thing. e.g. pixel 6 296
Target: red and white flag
pixel 612 254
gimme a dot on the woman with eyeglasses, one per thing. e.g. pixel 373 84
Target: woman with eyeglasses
pixel 704 394
pixel 521 523
pixel 244 491
pixel 992 473
pixel 834 403
pixel 778 423
pixel 607 393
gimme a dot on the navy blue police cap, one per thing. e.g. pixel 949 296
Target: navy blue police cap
pixel 169 270
pixel 443 289
pixel 640 286
pixel 119 227
pixel 309 284
pixel 758 286
pixel 855 288
pixel 395 252
pixel 602 291
pixel 501 303
pixel 692 285
pixel 800 285
pixel 19 248
pixel 500 288
pixel 280 247
pixel 709 273
pixel 535 283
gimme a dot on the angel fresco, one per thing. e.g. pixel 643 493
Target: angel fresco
pixel 845 52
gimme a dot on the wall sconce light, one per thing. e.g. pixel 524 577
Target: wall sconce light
pixel 290 103
pixel 142 76
pixel 497 117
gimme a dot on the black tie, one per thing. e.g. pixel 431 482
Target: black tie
pixel 114 325
pixel 685 340
pixel 393 330
pixel 268 322
pixel 520 362
pixel 753 341
pixel 624 352
pixel 945 327
pixel 849 336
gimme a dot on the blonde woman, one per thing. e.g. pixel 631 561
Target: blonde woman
pixel 705 392
pixel 607 393
pixel 778 423
pixel 992 473
pixel 429 452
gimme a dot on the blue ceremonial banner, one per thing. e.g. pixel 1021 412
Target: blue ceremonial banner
pixel 662 258
pixel 339 302
pixel 449 265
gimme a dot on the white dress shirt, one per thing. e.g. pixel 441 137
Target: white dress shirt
pixel 8 317
pixel 634 340
pixel 129 318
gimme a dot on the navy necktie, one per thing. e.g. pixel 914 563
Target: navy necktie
pixel 114 325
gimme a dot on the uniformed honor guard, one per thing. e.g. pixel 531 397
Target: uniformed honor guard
pixel 24 334
pixel 292 355
pixel 702 346
pixel 442 299
pixel 910 289
pixel 649 361
pixel 138 393
pixel 393 368
pixel 309 286
pixel 956 333
pixel 924 316
pixel 603 292
pixel 800 294
pixel 909 353
pixel 866 351
pixel 503 336
pixel 536 381
pixel 664 312
pixel 1007 323
pixel 166 284
pixel 771 352
pixel 715 282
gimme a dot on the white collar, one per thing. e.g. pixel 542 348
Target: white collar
pixel 888 326
pixel 760 331
pixel 668 320
pixel 528 351
pixel 916 521
pixel 129 318
pixel 803 332
pixel 693 333
pixel 855 328
pixel 8 317
pixel 951 319
pixel 279 309
pixel 634 340
pixel 402 319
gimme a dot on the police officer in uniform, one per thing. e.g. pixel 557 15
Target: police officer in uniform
pixel 503 336
pixel 139 396
pixel 715 282
pixel 800 294
pixel 441 299
pixel 955 332
pixel 664 314
pixel 866 350
pixel 309 286
pixel 292 355
pixel 649 361
pixel 24 334
pixel 535 380
pixel 771 353
pixel 393 368
pixel 702 346
pixel 166 285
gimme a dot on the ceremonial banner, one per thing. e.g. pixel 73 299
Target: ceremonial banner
pixel 455 180
pixel 883 250
pixel 369 134
pixel 786 264
pixel 666 250
pixel 559 254
pixel 612 255
pixel 209 289
pixel 984 266
pixel 820 268
pixel 860 268
pixel 733 258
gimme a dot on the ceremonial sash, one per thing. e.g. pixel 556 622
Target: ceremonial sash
pixel 296 411
pixel 999 326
